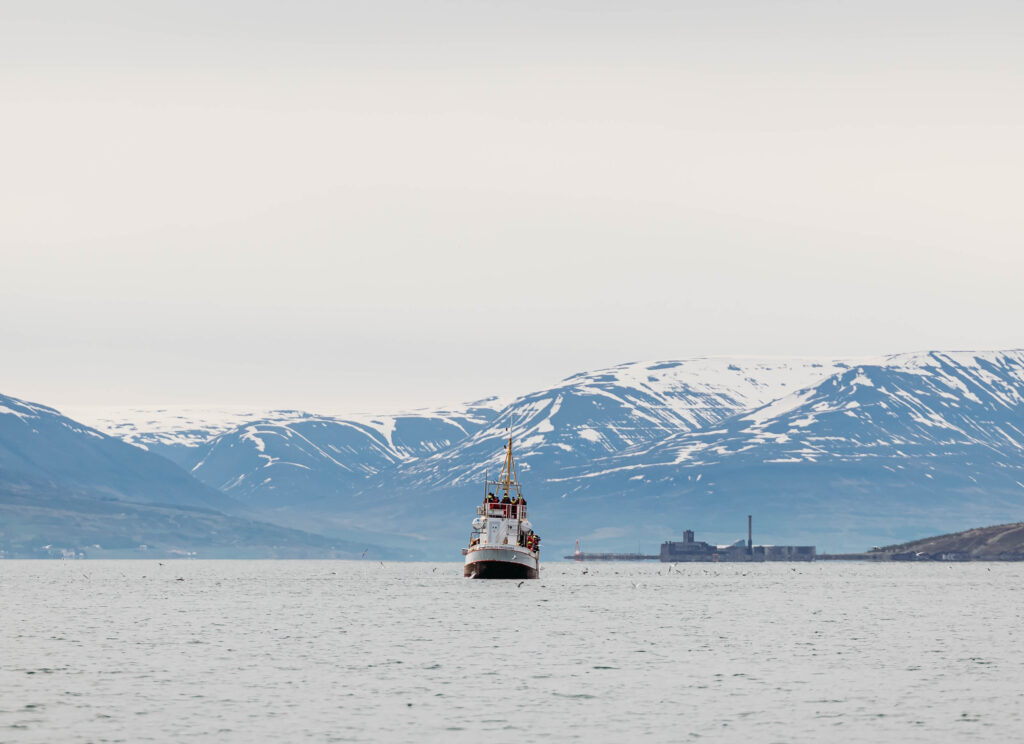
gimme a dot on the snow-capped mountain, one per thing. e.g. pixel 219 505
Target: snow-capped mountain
pixel 842 454
pixel 596 414
pixel 174 432
pixel 583 418
pixel 909 442
pixel 284 458
pixel 292 457
pixel 869 411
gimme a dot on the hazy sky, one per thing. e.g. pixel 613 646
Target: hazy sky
pixel 376 205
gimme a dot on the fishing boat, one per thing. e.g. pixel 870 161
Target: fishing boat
pixel 502 544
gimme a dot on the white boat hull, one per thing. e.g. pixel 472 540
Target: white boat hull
pixel 505 562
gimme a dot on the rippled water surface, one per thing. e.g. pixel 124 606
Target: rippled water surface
pixel 137 651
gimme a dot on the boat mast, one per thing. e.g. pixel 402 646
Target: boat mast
pixel 509 474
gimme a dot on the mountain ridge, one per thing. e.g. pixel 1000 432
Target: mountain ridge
pixel 68 488
pixel 831 452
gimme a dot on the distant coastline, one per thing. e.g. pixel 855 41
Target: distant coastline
pixel 1001 542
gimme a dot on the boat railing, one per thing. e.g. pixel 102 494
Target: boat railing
pixel 478 538
pixel 508 511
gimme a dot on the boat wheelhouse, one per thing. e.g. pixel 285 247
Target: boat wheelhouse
pixel 502 544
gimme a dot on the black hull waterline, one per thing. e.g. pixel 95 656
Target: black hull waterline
pixel 499 570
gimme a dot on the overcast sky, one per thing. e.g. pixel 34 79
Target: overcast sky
pixel 377 205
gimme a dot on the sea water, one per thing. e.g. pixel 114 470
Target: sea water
pixel 245 651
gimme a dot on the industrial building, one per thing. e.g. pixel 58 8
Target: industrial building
pixel 692 550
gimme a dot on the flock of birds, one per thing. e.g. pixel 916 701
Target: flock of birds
pixel 673 568
pixel 585 572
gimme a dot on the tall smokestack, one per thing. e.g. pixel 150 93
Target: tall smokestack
pixel 750 532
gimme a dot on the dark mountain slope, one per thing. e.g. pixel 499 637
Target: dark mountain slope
pixel 38 520
pixel 38 444
pixel 67 486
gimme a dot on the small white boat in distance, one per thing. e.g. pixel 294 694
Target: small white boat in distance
pixel 502 544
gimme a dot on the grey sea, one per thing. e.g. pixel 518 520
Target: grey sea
pixel 226 651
